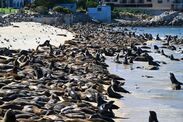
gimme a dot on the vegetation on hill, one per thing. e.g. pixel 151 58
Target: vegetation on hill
pixel 7 10
pixel 129 13
pixel 60 9
pixel 84 4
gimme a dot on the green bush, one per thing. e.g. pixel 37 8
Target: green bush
pixel 91 3
pixel 61 9
pixel 87 3
pixel 41 9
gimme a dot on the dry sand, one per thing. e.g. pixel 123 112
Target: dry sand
pixel 27 35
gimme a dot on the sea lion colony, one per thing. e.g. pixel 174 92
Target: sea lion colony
pixel 61 83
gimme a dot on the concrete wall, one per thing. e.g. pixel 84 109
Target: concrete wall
pixel 101 13
pixel 66 19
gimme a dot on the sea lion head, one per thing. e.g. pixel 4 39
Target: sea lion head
pixel 171 74
pixel 153 116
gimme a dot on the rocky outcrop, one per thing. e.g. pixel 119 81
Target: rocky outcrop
pixel 167 18
pixel 3 22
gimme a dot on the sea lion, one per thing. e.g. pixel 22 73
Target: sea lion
pixel 168 40
pixel 175 81
pixel 126 60
pixel 131 60
pixel 87 54
pixel 172 47
pixel 156 47
pixel 115 77
pixel 111 93
pixel 117 87
pixel 172 58
pixel 38 72
pixel 46 44
pixel 106 109
pixel 101 101
pixel 9 116
pixel 176 86
pixel 163 53
pixel 153 116
pixel 151 62
pixel 116 60
pixel 74 95
pixel 157 37
pixel 99 116
pixel 139 51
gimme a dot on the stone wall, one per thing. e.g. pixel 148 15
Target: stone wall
pixel 66 19
pixel 56 19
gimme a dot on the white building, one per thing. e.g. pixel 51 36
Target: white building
pixel 14 3
pixel 152 4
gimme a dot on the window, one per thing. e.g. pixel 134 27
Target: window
pixel 132 1
pixel 160 1
pixel 140 1
pixel 99 9
pixel 114 0
pixel 107 0
pixel 123 1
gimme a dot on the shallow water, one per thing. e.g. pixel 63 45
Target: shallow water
pixel 162 31
pixel 151 93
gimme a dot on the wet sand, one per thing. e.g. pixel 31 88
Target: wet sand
pixel 27 35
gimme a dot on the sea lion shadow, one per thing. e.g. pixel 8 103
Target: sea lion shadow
pixel 121 117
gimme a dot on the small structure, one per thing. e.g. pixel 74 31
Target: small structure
pixel 100 13
pixel 71 6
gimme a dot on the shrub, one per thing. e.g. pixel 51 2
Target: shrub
pixel 41 9
pixel 91 3
pixel 61 9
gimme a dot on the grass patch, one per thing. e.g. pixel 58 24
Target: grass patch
pixel 7 10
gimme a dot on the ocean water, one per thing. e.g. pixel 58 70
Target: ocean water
pixel 152 93
pixel 162 31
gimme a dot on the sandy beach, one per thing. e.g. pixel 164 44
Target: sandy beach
pixel 27 35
